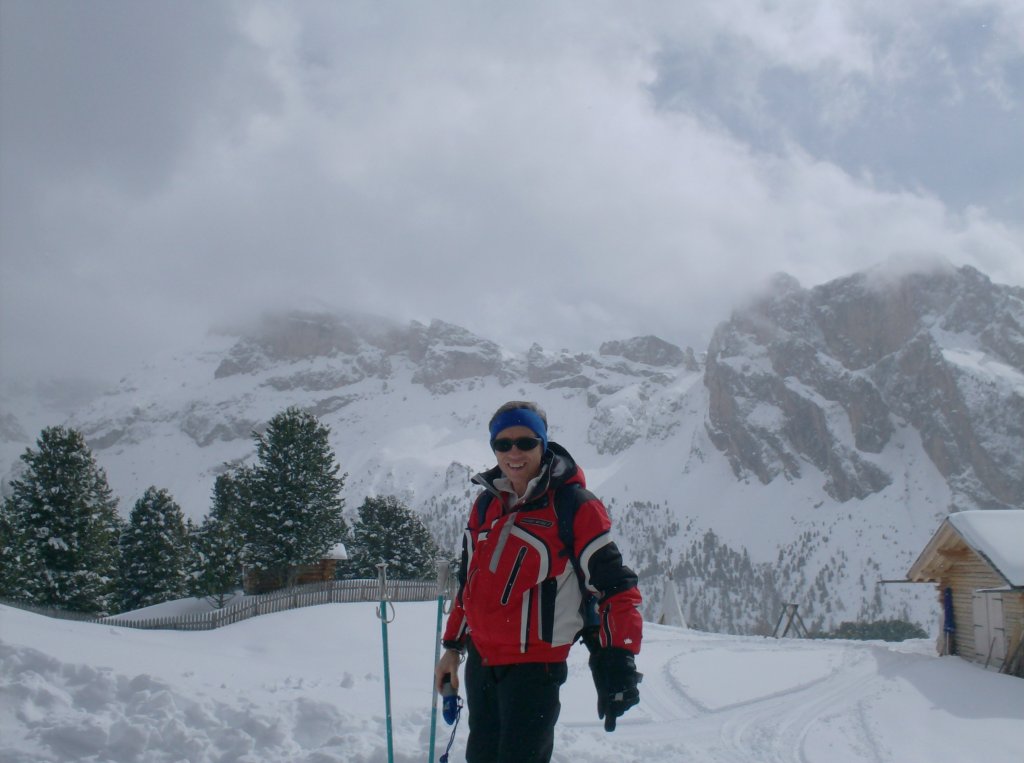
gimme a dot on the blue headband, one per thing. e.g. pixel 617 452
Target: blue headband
pixel 521 417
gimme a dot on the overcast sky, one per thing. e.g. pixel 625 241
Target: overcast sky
pixel 558 172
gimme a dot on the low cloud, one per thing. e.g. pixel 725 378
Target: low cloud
pixel 552 175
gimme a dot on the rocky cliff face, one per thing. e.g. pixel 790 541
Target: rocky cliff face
pixel 826 375
pixel 327 363
pixel 296 345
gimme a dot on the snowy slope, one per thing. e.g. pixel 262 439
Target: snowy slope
pixel 307 685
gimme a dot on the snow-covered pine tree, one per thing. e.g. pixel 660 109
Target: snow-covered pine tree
pixel 63 528
pixel 389 531
pixel 155 552
pixel 218 541
pixel 294 517
pixel 19 561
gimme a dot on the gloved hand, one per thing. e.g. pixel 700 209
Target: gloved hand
pixel 616 679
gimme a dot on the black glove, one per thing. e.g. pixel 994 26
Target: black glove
pixel 616 679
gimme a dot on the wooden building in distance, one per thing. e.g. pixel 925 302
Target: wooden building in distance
pixel 255 581
pixel 976 558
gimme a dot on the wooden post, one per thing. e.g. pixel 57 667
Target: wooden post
pixel 792 620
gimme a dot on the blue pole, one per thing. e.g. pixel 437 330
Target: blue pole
pixel 949 626
pixel 442 585
pixel 382 613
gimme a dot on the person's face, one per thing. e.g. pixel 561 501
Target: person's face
pixel 519 466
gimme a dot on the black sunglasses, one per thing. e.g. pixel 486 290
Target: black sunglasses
pixel 504 444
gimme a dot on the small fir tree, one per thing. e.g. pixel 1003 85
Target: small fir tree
pixel 155 552
pixel 293 516
pixel 218 541
pixel 62 528
pixel 388 531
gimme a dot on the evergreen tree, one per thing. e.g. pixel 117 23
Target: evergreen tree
pixel 19 560
pixel 294 512
pixel 882 630
pixel 218 541
pixel 155 552
pixel 388 531
pixel 62 528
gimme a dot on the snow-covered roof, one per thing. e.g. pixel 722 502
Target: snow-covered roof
pixel 998 535
pixel 339 552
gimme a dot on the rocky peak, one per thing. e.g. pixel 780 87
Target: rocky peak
pixel 559 369
pixel 690 362
pixel 649 350
pixel 446 354
pixel 289 337
pixel 823 375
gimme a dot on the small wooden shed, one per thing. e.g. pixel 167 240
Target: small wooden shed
pixel 976 558
pixel 256 581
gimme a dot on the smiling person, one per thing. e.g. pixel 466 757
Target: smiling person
pixel 539 570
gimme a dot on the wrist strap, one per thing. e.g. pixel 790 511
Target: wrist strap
pixel 455 727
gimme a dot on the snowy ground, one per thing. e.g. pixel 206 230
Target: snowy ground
pixel 307 685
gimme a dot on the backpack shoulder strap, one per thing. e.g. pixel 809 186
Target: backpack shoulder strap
pixel 568 499
pixel 480 504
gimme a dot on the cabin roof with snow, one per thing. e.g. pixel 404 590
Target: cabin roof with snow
pixel 339 553
pixel 995 535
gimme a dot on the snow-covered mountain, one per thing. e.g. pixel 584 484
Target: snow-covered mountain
pixel 810 452
pixel 826 376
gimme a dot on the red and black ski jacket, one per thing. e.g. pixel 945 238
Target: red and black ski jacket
pixel 519 595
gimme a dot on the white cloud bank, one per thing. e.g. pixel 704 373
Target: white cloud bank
pixel 555 173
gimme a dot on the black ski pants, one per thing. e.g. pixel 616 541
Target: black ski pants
pixel 512 710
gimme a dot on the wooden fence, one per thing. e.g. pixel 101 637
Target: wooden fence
pixel 330 592
pixel 59 614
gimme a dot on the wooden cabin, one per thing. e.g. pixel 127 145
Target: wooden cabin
pixel 256 581
pixel 976 559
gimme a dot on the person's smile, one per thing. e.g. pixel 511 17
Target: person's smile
pixel 519 466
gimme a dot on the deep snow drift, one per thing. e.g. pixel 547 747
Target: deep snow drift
pixel 307 685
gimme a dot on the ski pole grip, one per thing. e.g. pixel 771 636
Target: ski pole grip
pixel 443 571
pixel 450 702
pixel 385 600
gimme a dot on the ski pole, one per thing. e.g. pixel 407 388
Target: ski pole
pixel 382 613
pixel 443 572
